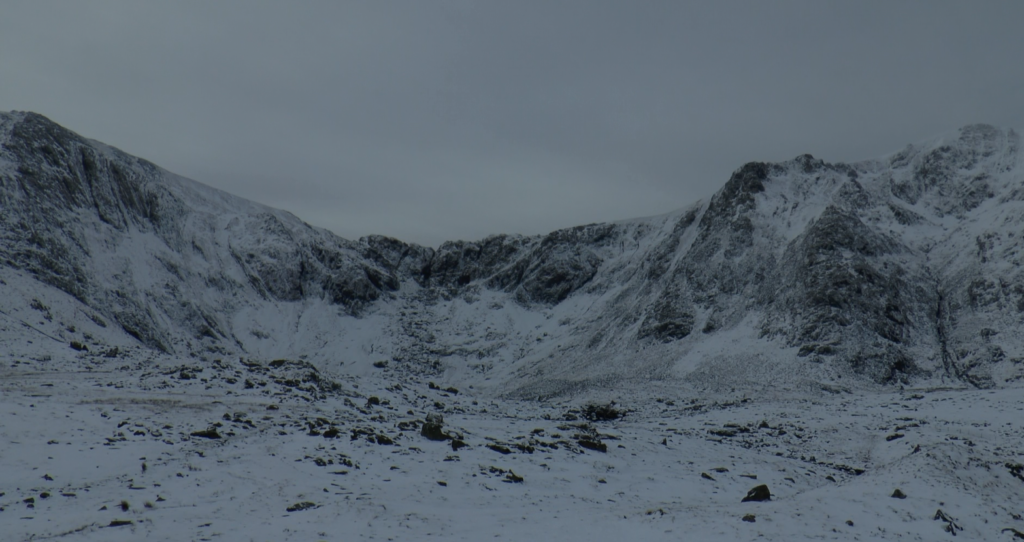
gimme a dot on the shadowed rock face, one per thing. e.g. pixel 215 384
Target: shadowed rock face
pixel 72 209
pixel 841 292
pixel 668 321
pixel 896 269
pixel 58 177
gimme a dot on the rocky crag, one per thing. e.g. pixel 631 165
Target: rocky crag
pixel 885 271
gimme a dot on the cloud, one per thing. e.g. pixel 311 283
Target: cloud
pixel 455 119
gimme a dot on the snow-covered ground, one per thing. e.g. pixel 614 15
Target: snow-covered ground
pixel 91 439
pixel 180 364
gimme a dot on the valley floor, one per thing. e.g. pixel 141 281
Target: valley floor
pixel 110 448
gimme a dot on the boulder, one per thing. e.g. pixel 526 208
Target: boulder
pixel 433 428
pixel 758 493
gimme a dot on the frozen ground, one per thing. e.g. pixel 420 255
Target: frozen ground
pixel 743 339
pixel 81 433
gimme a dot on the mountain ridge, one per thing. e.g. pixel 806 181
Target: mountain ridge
pixel 904 267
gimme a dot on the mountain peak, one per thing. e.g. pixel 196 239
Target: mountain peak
pixel 883 271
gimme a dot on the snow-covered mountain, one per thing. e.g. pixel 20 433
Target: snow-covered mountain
pixel 799 273
pixel 179 363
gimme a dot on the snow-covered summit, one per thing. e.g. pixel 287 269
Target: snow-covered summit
pixel 901 268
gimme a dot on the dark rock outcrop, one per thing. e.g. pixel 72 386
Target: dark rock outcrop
pixel 758 493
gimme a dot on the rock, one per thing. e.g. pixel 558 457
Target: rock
pixel 595 445
pixel 666 322
pixel 119 523
pixel 433 428
pixel 210 433
pixel 894 436
pixel 758 493
pixel 600 413
pixel 1016 533
pixel 456 444
pixel 897 494
pixel 504 450
pixel 358 432
pixel 1016 470
pixel 298 507
pixel 332 433
pixel 512 478
pixel 951 526
pixel 750 518
pixel 79 346
pixel 706 476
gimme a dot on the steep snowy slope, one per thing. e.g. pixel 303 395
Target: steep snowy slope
pixel 167 259
pixel 793 274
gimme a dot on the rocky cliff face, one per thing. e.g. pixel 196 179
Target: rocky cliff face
pixel 166 258
pixel 901 268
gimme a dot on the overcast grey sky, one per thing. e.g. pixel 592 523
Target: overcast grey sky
pixel 430 120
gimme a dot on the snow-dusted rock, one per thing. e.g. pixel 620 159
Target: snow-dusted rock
pixel 889 270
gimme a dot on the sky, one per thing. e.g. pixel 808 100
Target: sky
pixel 434 120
